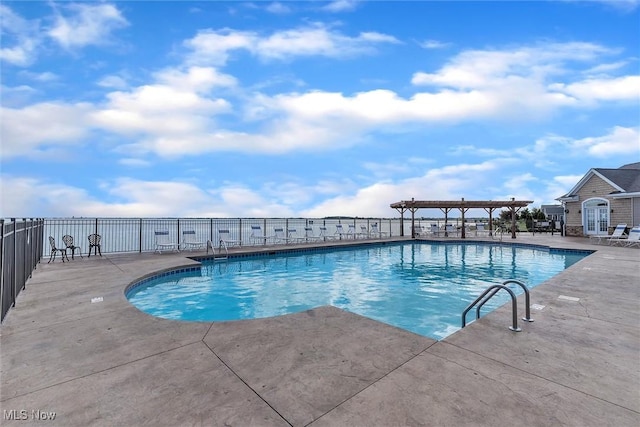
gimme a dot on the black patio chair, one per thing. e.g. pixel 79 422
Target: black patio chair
pixel 94 243
pixel 68 242
pixel 55 250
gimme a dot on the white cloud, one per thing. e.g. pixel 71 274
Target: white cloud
pixel 86 24
pixel 44 77
pixel 113 82
pixel 145 109
pixel 278 8
pixel 603 89
pixel 433 44
pixel 621 140
pixel 30 130
pixel 340 6
pixel 214 47
pixel 477 69
pixel 20 38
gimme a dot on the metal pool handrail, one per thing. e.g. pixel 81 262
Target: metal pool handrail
pixel 514 306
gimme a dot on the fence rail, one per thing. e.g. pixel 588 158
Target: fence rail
pixel 125 235
pixel 20 251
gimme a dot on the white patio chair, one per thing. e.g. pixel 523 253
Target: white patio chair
pixel 279 235
pixel 164 242
pixel 618 234
pixel 634 237
pixel 190 241
pixel 375 231
pixel 481 230
pixel 309 236
pixel 292 236
pixel 364 232
pixel 340 233
pixel 324 234
pixel 225 241
pixel 257 236
pixel 450 230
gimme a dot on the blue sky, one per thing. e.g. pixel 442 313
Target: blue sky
pixel 312 109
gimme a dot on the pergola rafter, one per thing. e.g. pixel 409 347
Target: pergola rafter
pixel 463 205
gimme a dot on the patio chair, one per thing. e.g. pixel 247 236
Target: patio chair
pixel 351 232
pixel 68 242
pixel 324 234
pixel 309 236
pixel 375 231
pixel 94 243
pixel 225 240
pixel 190 241
pixel 164 242
pixel 634 237
pixel 257 236
pixel 481 230
pixel 450 229
pixel 279 236
pixel 339 233
pixel 618 234
pixel 364 232
pixel 418 231
pixel 55 250
pixel 292 235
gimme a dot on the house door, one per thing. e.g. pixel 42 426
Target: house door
pixel 596 217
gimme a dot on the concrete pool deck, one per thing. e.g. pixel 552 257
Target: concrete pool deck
pixel 107 363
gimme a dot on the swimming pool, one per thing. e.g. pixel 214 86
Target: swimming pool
pixel 422 287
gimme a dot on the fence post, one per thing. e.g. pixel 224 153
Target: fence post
pixel 15 264
pixel 24 257
pixel 2 284
pixel 140 236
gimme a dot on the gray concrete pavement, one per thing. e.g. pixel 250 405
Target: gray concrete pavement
pixel 107 363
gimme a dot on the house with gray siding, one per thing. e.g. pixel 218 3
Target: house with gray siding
pixel 602 199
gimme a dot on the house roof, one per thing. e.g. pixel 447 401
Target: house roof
pixel 625 180
pixel 626 177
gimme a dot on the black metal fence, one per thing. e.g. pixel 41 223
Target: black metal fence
pixel 122 235
pixel 20 251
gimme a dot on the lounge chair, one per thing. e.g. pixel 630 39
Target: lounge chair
pixel 634 237
pixel 190 241
pixel 68 242
pixel 340 232
pixel 55 250
pixel 618 234
pixel 309 236
pixel 225 240
pixel 450 230
pixel 292 236
pixel 324 234
pixel 418 230
pixel 279 236
pixel 163 242
pixel 351 232
pixel 375 231
pixel 257 236
pixel 364 233
pixel 481 230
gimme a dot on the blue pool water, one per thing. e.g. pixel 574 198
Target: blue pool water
pixel 421 287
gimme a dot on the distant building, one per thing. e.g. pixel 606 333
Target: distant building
pixel 602 199
pixel 553 212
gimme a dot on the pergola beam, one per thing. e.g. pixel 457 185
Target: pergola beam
pixel 463 205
